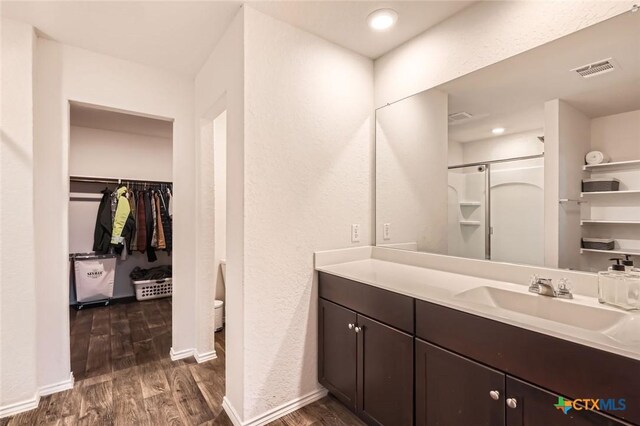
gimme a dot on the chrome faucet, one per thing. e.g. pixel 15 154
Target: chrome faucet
pixel 544 287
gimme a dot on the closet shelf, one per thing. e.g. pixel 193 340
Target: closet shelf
pixel 618 165
pixel 628 192
pixel 609 222
pixel 470 203
pixel 470 222
pixel 631 252
pixel 85 196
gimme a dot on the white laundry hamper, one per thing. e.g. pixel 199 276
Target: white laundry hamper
pixel 218 315
pixel 94 276
pixel 153 289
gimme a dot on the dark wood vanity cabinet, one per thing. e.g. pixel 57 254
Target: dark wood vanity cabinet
pixel 366 350
pixel 452 390
pixel 397 361
pixel 385 374
pixel 366 364
pixel 337 352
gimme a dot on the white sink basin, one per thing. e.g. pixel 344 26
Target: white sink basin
pixel 561 311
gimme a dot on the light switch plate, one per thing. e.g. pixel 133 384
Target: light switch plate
pixel 355 233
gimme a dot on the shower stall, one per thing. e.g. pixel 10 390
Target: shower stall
pixel 496 210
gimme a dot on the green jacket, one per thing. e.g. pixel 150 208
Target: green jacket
pixel 123 210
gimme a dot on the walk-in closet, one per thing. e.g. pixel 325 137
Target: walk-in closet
pixel 120 240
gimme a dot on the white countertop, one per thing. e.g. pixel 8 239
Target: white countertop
pixel 442 288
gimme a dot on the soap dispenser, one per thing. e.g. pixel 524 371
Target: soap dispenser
pixel 619 288
pixel 628 263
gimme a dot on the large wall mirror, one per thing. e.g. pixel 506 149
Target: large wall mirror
pixel 492 165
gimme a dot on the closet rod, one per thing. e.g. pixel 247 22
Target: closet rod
pixel 84 179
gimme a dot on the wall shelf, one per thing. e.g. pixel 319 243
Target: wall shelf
pixel 470 223
pixel 631 252
pixel 628 192
pixel 470 203
pixel 618 165
pixel 609 222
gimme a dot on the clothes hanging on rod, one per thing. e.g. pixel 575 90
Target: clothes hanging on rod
pixel 133 218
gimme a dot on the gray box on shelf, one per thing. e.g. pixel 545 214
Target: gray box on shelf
pixel 598 243
pixel 600 185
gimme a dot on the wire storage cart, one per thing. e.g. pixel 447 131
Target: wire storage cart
pixel 94 275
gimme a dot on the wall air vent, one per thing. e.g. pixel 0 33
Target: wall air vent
pixel 596 68
pixel 459 116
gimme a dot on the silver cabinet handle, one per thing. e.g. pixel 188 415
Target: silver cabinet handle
pixel 512 403
pixel 351 325
pixel 358 329
pixel 494 394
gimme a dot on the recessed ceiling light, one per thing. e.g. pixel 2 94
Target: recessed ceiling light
pixel 497 130
pixel 382 19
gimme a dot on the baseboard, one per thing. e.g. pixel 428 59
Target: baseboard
pixel 57 387
pixel 205 356
pixel 231 412
pixel 274 413
pixel 32 404
pixel 20 407
pixel 185 353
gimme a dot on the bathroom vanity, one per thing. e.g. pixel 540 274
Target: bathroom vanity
pixel 404 345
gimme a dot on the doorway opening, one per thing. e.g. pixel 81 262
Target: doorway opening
pixel 120 241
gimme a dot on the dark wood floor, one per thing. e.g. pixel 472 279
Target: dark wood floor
pixel 124 376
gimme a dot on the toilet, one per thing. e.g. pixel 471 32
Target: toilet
pixel 219 304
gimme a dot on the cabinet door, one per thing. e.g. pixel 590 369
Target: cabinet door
pixel 385 374
pixel 454 391
pixel 337 345
pixel 535 406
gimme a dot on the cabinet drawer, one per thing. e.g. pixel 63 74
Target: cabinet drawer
pixel 567 368
pixel 385 306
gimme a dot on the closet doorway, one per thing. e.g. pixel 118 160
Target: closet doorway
pixel 120 231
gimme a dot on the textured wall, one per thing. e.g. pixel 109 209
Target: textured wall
pixel 411 177
pixel 17 286
pixel 219 86
pixel 483 34
pixel 502 147
pixel 617 135
pixel 99 152
pixel 308 140
pixel 66 73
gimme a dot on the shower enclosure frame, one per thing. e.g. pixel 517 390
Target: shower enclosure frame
pixel 488 230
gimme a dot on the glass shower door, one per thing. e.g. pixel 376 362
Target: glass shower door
pixel 468 205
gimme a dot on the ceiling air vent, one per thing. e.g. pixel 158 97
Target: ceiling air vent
pixel 596 68
pixel 459 116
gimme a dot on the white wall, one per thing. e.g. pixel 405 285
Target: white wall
pixel 18 379
pixel 566 142
pixel 108 153
pixel 480 35
pixel 411 177
pixel 220 86
pixel 64 74
pixel 502 147
pixel 308 143
pixel 220 191
pixel 617 135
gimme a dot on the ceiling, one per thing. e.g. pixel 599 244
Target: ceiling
pixel 512 93
pixel 177 36
pixel 344 22
pixel 180 35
